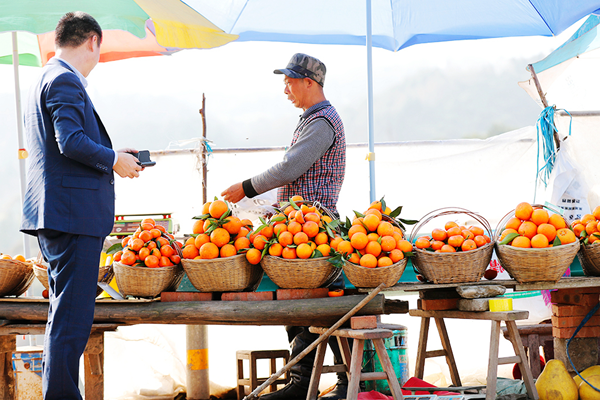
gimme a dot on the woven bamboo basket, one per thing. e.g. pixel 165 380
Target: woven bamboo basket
pixel 300 274
pixel 363 277
pixel 15 277
pixel 146 282
pixel 105 274
pixel 459 267
pixel 589 257
pixel 229 274
pixel 534 265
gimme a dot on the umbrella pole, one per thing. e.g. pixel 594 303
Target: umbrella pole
pixel 371 154
pixel 544 102
pixel 22 154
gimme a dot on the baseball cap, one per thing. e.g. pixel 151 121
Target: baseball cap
pixel 304 66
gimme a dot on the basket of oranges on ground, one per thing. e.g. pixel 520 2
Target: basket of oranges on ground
pixel 215 257
pixel 587 229
pixel 375 249
pixel 454 253
pixel 295 245
pixel 149 263
pixel 534 244
pixel 16 275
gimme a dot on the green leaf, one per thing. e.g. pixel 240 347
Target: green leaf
pixel 383 205
pixel 329 231
pixel 293 203
pixel 359 215
pixel 203 216
pixel 114 248
pixel 278 218
pixel 409 254
pixel 225 215
pixel 509 238
pixel 408 221
pixel 396 212
pixel 348 223
pixel 316 254
pixel 556 242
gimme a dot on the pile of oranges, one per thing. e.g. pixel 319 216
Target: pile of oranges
pixel 217 233
pixel 150 246
pixel 299 231
pixel 534 227
pixel 372 241
pixel 18 257
pixel 453 238
pixel 588 227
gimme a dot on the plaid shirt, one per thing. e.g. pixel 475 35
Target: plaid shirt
pixel 323 180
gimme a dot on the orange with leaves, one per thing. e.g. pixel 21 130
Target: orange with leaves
pixel 253 256
pixel 220 236
pixel 217 208
pixel 289 253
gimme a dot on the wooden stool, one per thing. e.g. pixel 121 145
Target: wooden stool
pixel 509 318
pixel 253 381
pixel 532 337
pixel 352 364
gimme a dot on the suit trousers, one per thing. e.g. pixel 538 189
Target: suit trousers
pixel 72 278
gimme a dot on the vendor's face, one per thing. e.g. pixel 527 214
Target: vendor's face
pixel 296 91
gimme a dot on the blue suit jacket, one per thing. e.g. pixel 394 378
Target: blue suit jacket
pixel 70 182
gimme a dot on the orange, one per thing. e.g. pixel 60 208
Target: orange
pixel 335 242
pixel 311 229
pixel 137 232
pixel 359 240
pixel 375 212
pixel 118 255
pixel 371 222
pixel 557 221
pixel 591 227
pixel 547 230
pixel 312 216
pixel 523 211
pixel 300 237
pixel 128 258
pixel 385 229
pixel 5 257
pixel 259 242
pixel 540 216
pixel 146 226
pixel 373 237
pixel 596 213
pixel 275 250
pixel 397 236
pixel 480 240
pixel 345 247
pixel 143 253
pixel 587 218
pixel 357 221
pixel 278 228
pixel 396 255
pixel 450 224
pixel 299 217
pixel 198 226
pixel 467 234
pixel 175 259
pixel 566 236
pixel 354 258
pixel 294 227
pixel 376 205
pixel 156 252
pixel 368 261
pixel 267 231
pixel 206 207
pixel 304 251
pixel 167 250
pixel 477 231
pixel 513 223
pixel 233 225
pixel 324 249
pixel 335 293
pixel 539 241
pixel 151 245
pixel 456 240
pixel 190 252
pixel 507 232
pixel 19 257
pixel 528 229
pixel 487 238
pixel 217 208
pixel 253 256
pixel 289 209
pixel 356 228
pixel 165 262
pixel 155 233
pixel 125 241
pixel 247 223
pixel 145 236
pixel 201 239
pixel 384 262
pixel 151 262
pixel 209 251
pixel 447 249
pixel 321 238
pixel 373 248
pixel 404 245
pixel 220 236
pixel 521 241
pixel 288 253
pixel 577 229
pixel 160 228
pixel 388 243
pixel 326 218
pixel 455 230
pixel 286 238
pixel 207 224
pixel 297 198
pixel 591 239
pixel 439 234
pixel 136 244
pixel 149 221
pixel 468 244
pixel 437 244
pixel 228 250
pixel 422 243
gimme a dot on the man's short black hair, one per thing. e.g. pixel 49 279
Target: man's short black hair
pixel 74 28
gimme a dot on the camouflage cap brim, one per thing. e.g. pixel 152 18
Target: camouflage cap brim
pixel 304 66
pixel 289 73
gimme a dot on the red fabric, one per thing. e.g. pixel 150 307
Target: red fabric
pixel 412 382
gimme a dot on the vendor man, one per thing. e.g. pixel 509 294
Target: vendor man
pixel 313 167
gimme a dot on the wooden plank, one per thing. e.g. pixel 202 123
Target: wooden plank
pixel 520 351
pixel 355 366
pixel 94 367
pixel 492 374
pixel 7 377
pixel 484 315
pixel 373 376
pixel 315 377
pixel 422 348
pixel 388 368
pixel 305 312
pixel 441 326
pixel 355 333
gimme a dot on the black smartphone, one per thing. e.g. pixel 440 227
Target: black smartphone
pixel 144 157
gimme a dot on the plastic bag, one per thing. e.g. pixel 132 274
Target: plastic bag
pixel 259 206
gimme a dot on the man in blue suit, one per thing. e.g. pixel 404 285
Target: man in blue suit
pixel 70 199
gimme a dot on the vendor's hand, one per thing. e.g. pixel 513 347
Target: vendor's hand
pixel 127 165
pixel 234 193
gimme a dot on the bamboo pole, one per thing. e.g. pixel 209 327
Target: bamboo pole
pixel 314 344
pixel 538 86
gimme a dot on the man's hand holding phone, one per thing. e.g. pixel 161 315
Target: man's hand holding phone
pixel 127 164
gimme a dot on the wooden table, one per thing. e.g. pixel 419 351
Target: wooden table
pixel 28 316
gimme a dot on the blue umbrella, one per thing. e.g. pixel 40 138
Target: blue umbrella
pixel 389 24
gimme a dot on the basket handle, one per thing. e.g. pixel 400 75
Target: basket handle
pixel 448 211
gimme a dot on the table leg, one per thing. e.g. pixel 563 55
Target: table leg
pixel 534 355
pixel 315 377
pixel 93 357
pixel 387 366
pixel 8 344
pixel 515 339
pixel 422 348
pixel 493 361
pixel 355 367
pixel 441 326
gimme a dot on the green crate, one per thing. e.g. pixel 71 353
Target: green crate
pixel 397 349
